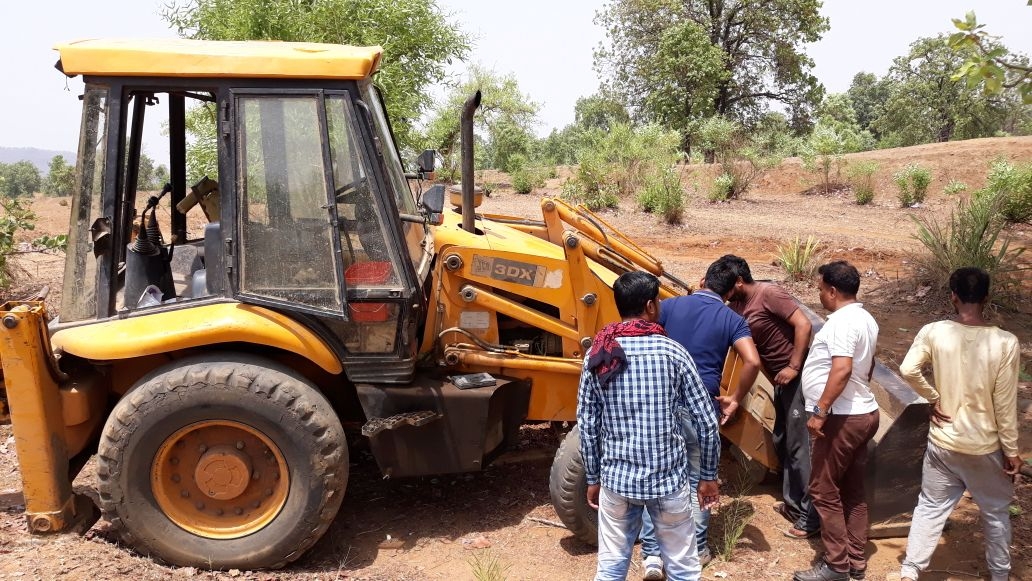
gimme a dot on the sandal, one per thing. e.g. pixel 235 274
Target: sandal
pixel 794 533
pixel 782 509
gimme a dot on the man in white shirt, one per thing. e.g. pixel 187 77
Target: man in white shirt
pixel 973 436
pixel 843 418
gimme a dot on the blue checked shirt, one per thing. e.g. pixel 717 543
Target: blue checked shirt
pixel 631 439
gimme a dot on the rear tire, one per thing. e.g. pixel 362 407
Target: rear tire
pixel 222 461
pixel 568 488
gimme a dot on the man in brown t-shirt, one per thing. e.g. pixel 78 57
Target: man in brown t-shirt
pixel 781 331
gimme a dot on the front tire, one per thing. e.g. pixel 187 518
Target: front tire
pixel 568 488
pixel 222 461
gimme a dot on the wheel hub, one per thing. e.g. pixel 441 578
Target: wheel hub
pixel 223 472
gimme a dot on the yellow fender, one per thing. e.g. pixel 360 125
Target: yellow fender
pixel 194 327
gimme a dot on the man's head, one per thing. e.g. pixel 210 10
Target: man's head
pixel 970 285
pixel 838 282
pixel 635 294
pixel 721 277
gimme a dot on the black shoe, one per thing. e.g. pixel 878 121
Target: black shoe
pixel 857 574
pixel 820 572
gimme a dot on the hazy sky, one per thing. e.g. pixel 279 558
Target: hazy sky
pixel 547 44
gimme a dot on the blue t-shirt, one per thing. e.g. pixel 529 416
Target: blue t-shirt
pixel 707 328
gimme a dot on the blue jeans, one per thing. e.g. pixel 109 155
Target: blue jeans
pixel 619 519
pixel 649 546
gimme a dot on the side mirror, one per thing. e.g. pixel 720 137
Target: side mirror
pixel 427 161
pixel 432 202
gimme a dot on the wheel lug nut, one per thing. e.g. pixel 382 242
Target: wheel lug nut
pixel 238 511
pixel 184 493
pixel 199 505
pixel 174 461
pixel 268 492
pixel 256 503
pixel 202 448
pixel 219 511
pixel 176 478
pixel 240 445
pixel 256 475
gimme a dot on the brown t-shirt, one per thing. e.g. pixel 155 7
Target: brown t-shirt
pixel 767 313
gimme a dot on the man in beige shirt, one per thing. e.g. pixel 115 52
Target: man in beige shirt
pixel 973 436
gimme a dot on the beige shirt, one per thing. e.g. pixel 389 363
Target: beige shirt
pixel 976 383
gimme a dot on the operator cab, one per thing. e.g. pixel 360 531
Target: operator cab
pixel 285 190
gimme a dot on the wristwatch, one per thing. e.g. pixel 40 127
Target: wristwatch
pixel 817 411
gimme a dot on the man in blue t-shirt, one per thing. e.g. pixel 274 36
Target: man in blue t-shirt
pixel 707 328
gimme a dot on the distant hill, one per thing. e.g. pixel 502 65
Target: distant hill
pixel 39 157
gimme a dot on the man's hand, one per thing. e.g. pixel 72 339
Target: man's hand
pixel 1012 466
pixel 937 416
pixel 593 490
pixel 785 376
pixel 709 494
pixel 816 425
pixel 728 407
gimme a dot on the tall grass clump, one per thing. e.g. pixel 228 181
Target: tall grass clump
pixel 912 182
pixel 487 566
pixel 954 187
pixel 734 517
pixel 621 162
pixel 799 257
pixel 973 236
pixel 663 194
pixel 861 179
pixel 1013 186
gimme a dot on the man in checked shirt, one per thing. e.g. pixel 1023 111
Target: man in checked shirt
pixel 636 389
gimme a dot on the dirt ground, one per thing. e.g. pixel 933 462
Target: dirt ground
pixel 445 528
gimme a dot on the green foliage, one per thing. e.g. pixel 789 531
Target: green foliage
pixel 152 177
pixel 202 158
pixel 504 122
pixel 486 566
pixel 734 517
pixel 15 218
pixel 48 242
pixel 721 189
pixel 972 237
pixel 799 257
pixel 525 179
pixel 677 62
pixel 60 177
pixel 599 111
pixel 1012 185
pixel 927 104
pixel 663 194
pixel 954 187
pixel 20 178
pixel 988 64
pixel 420 40
pixel 861 179
pixel 912 182
pixel 868 95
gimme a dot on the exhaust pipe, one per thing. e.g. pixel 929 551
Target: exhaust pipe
pixel 466 125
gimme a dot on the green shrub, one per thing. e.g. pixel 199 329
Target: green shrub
pixel 954 187
pixel 15 218
pixel 526 179
pixel 861 179
pixel 1013 185
pixel 663 194
pixel 740 158
pixel 972 237
pixel 799 258
pixel 722 187
pixel 912 182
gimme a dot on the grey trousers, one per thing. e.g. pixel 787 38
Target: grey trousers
pixel 945 476
pixel 792 444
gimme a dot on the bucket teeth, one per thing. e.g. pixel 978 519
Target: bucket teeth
pixel 415 419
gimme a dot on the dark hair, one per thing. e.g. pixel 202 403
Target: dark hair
pixel 970 284
pixel 739 265
pixel 633 290
pixel 841 275
pixel 721 277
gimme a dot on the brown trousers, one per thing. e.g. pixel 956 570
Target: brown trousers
pixel 838 465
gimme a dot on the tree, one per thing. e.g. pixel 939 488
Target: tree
pixel 988 63
pixel 60 177
pixel 418 38
pixel 20 178
pixel 599 111
pixel 926 104
pixel 506 117
pixel 681 61
pixel 868 95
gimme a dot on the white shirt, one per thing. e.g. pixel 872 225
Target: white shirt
pixel 850 332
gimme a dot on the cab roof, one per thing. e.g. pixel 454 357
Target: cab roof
pixel 180 57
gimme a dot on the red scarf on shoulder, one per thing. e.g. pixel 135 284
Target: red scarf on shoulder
pixel 606 358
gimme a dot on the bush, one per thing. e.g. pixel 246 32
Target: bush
pixel 861 179
pixel 663 194
pixel 738 157
pixel 954 187
pixel 799 258
pixel 722 187
pixel 912 182
pixel 970 238
pixel 1013 185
